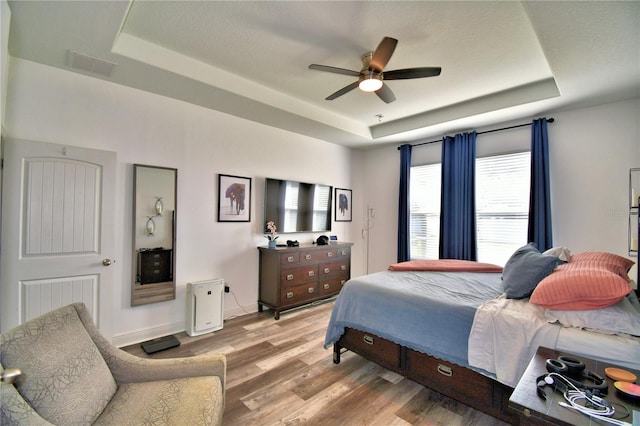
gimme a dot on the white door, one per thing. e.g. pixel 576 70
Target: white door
pixel 57 231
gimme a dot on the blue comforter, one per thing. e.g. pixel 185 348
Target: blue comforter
pixel 431 312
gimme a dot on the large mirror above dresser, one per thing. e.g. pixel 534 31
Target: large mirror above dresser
pixel 154 231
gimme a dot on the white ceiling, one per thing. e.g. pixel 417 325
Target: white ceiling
pixel 500 60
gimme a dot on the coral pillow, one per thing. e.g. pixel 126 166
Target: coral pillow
pixel 601 256
pixel 616 268
pixel 580 289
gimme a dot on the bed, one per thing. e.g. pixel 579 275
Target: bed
pixel 451 325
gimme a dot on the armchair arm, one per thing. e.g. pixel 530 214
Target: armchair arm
pixel 127 368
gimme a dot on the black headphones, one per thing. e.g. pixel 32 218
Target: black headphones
pixel 564 372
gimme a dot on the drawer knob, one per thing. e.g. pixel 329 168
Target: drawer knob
pixel 307 257
pixel 342 282
pixel 344 252
pixel 312 273
pixel 343 267
pixel 330 254
pixel 326 270
pixel 445 370
pixel 290 259
pixel 289 294
pixel 367 339
pixel 289 277
pixel 326 286
pixel 311 289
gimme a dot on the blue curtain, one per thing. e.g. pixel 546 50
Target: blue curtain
pixel 540 194
pixel 404 245
pixel 458 205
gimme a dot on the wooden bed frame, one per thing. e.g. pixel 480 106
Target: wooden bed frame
pixel 462 384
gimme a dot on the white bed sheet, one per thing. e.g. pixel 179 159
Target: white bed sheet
pixel 622 350
pixel 506 334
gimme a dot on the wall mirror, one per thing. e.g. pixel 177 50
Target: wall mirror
pixel 154 234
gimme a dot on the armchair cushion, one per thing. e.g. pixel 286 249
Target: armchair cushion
pixel 64 377
pixel 166 402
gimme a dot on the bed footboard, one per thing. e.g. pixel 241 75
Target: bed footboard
pixel 459 383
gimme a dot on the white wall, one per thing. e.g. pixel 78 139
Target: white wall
pixel 592 150
pixel 51 105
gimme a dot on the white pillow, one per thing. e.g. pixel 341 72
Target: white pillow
pixel 561 253
pixel 621 318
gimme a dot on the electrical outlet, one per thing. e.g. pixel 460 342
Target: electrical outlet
pixel 226 289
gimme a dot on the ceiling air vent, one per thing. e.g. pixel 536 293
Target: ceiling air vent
pixel 91 64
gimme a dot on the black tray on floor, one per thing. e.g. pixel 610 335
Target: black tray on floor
pixel 160 344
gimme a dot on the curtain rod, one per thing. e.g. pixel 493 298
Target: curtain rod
pixel 550 120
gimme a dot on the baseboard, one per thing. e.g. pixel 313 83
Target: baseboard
pixel 126 339
pixel 240 310
pixel 138 336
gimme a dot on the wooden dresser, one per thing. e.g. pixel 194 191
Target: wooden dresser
pixel 295 276
pixel 155 266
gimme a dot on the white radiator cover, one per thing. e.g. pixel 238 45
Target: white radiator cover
pixel 205 311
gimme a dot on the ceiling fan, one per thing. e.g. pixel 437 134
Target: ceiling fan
pixel 371 76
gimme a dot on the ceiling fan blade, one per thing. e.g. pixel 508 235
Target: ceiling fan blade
pixel 383 53
pixel 408 73
pixel 334 70
pixel 342 91
pixel 386 94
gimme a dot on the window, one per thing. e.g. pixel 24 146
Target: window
pixel 502 206
pixel 424 211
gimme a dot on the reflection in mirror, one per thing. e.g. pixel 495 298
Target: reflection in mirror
pixel 297 206
pixel 154 230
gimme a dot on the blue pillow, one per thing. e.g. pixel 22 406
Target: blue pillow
pixel 524 270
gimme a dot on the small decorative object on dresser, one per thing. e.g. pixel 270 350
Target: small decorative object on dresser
pixel 272 236
pixel 295 276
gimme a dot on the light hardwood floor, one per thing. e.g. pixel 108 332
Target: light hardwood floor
pixel 278 373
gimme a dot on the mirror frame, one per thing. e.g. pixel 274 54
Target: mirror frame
pixel 154 291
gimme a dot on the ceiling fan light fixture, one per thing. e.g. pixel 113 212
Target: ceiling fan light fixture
pixel 370 82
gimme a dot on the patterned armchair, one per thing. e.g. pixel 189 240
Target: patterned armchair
pixel 72 375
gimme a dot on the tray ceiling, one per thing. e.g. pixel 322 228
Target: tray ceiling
pixel 500 61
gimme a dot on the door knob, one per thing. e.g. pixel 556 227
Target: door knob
pixel 107 262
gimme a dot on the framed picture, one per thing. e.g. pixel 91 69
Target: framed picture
pixel 343 205
pixel 234 198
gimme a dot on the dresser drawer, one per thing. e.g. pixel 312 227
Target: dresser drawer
pixel 334 268
pixel 379 350
pixel 317 255
pixel 450 379
pixel 298 294
pixel 343 252
pixel 155 258
pixel 330 285
pixel 290 258
pixel 294 276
